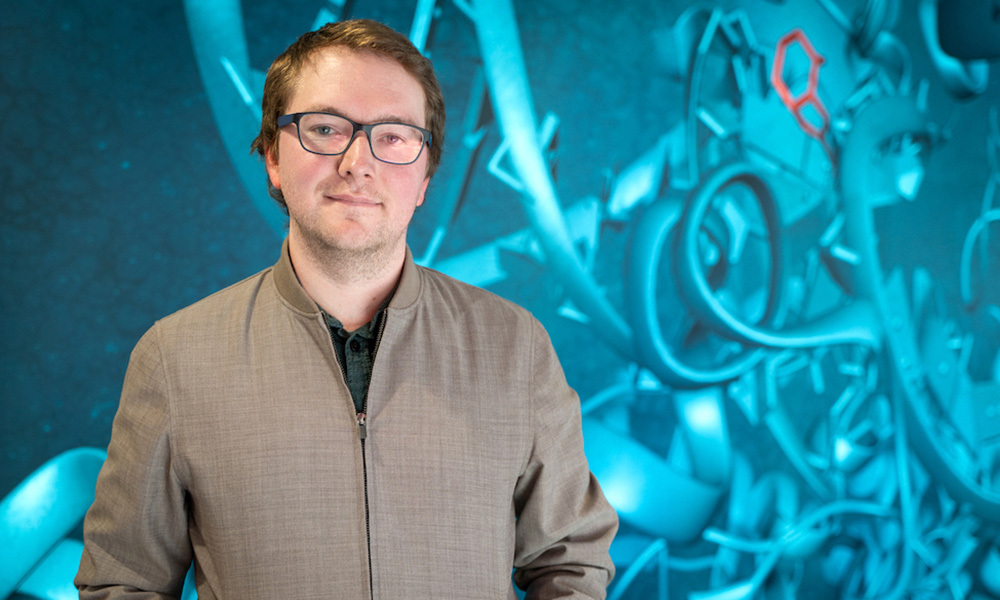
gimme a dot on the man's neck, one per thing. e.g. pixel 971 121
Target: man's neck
pixel 347 286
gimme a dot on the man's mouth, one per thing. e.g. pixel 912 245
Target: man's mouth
pixel 352 200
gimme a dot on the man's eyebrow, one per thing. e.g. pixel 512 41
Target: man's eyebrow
pixel 324 109
pixel 383 118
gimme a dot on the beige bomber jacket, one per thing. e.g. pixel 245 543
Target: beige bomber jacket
pixel 236 445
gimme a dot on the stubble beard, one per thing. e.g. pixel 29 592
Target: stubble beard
pixel 344 261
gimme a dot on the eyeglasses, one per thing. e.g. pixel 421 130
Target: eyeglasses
pixel 329 135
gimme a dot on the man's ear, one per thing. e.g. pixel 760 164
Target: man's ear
pixel 271 163
pixel 423 191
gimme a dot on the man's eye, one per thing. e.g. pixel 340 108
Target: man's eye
pixel 397 136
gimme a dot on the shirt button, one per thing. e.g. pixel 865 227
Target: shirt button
pixel 355 345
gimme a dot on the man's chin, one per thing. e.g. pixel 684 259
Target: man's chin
pixel 347 243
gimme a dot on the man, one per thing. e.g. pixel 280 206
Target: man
pixel 346 424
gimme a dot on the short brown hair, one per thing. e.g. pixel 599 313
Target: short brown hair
pixel 357 34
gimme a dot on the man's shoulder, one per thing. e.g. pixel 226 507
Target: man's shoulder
pixel 221 307
pixel 440 288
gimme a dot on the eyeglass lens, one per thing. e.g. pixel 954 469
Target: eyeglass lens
pixel 390 142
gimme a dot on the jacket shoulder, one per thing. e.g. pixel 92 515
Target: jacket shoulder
pixel 457 296
pixel 235 302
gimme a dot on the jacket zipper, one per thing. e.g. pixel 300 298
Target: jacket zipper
pixel 363 435
pixel 362 418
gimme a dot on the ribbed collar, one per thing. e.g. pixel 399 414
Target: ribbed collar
pixel 292 291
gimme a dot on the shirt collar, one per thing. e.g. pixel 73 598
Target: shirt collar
pixel 367 330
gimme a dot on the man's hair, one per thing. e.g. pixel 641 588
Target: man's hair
pixel 361 35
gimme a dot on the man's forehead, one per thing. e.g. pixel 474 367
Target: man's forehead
pixel 374 65
pixel 319 57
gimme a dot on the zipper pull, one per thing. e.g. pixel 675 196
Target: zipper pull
pixel 362 426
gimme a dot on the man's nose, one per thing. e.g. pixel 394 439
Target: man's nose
pixel 358 157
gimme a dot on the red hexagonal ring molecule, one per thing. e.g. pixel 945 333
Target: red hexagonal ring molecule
pixel 810 96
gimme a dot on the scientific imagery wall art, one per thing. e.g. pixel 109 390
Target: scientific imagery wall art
pixel 764 238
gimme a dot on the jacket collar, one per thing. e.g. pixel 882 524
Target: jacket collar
pixel 292 291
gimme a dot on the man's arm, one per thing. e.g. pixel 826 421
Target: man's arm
pixel 564 523
pixel 135 535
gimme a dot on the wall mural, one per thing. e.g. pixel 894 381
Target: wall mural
pixel 773 282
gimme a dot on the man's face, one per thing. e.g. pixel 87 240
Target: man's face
pixel 350 202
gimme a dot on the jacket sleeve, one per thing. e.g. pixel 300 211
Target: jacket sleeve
pixel 564 524
pixel 135 534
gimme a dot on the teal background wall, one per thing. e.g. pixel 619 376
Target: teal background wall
pixel 784 332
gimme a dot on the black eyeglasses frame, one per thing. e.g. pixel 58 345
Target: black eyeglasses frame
pixel 286 120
